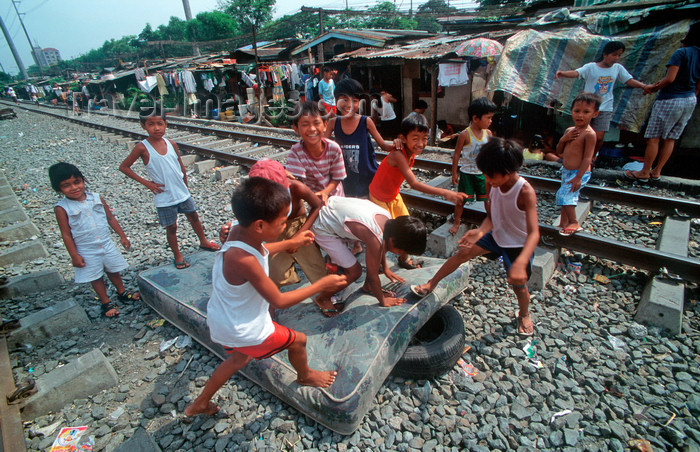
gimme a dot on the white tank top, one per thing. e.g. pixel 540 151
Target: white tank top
pixel 388 113
pixel 509 225
pixel 338 210
pixel 238 316
pixel 166 170
pixel 467 160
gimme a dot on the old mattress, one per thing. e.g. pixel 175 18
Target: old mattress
pixel 363 343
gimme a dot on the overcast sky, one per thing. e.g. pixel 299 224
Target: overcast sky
pixel 76 26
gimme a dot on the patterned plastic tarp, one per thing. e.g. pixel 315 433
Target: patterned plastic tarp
pixel 363 343
pixel 531 59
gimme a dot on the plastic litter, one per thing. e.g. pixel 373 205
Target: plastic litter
pixel 574 267
pixel 69 439
pixel 467 368
pixel 529 350
pixel 183 341
pixel 601 278
pixel 167 344
pixel 641 445
pixel 558 414
pixel 155 323
pixel 569 289
pixel 616 342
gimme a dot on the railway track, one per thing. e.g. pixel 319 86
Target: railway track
pixel 235 147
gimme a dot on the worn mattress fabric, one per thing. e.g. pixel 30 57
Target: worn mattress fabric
pixel 531 59
pixel 362 344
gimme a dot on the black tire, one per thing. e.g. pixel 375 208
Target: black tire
pixel 435 348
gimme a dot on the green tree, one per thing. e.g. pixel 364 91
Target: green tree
pixel 210 26
pixel 427 13
pixel 175 30
pixel 250 13
pixel 390 18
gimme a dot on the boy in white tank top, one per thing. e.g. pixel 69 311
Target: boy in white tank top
pixel 510 229
pixel 468 178
pixel 168 182
pixel 238 313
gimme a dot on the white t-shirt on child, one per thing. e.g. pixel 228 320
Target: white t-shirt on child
pixel 601 81
pixel 238 316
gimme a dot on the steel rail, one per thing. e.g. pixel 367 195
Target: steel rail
pixel 640 257
pixel 668 206
pixel 635 256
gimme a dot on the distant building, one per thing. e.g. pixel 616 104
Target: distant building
pixel 40 58
pixel 51 55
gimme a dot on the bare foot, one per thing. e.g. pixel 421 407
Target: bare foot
pixel 453 229
pixel 390 301
pixel 199 408
pixel 326 306
pixel 357 247
pixel 318 378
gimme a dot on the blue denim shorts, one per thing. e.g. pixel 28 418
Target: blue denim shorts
pixel 566 197
pixel 488 243
pixel 168 215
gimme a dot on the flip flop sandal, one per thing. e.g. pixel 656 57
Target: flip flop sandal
pixel 385 292
pixel 414 291
pixel 106 307
pixel 410 264
pixel 570 231
pixel 128 295
pixel 181 265
pixel 211 246
pixel 630 176
pixel 522 333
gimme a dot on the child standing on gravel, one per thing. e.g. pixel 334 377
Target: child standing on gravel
pixel 238 312
pixel 84 219
pixel 510 229
pixel 396 167
pixel 577 148
pixel 352 132
pixel 168 183
pixel 317 161
pixel 469 179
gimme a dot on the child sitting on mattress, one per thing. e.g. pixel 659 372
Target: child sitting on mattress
pixel 238 312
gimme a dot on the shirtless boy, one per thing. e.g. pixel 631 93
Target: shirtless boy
pixel 576 148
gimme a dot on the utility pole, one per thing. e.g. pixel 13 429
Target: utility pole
pixel 31 46
pixel 18 60
pixel 188 11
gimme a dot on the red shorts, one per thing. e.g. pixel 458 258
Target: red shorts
pixel 329 108
pixel 279 340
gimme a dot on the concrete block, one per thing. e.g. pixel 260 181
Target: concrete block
pixel 204 166
pixel 13 215
pixel 6 190
pixel 34 282
pixel 227 172
pixel 8 201
pixel 140 442
pixel 674 236
pixel 52 321
pixel 583 208
pixel 81 378
pixel 131 144
pixel 662 304
pixel 255 150
pixel 443 244
pixel 188 159
pixel 544 264
pixel 22 253
pixel 441 182
pixel 230 147
pixel 19 231
pixel 3 181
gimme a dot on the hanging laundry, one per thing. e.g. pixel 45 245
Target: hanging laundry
pixel 453 74
pixel 140 74
pixel 148 84
pixel 162 90
pixel 189 82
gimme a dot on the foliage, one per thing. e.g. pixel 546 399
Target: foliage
pixel 390 18
pixel 427 13
pixel 5 78
pixel 210 26
pixel 251 13
pixel 175 30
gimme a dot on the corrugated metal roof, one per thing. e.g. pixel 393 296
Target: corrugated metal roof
pixel 376 38
pixel 422 49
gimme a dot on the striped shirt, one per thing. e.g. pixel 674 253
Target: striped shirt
pixel 318 172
